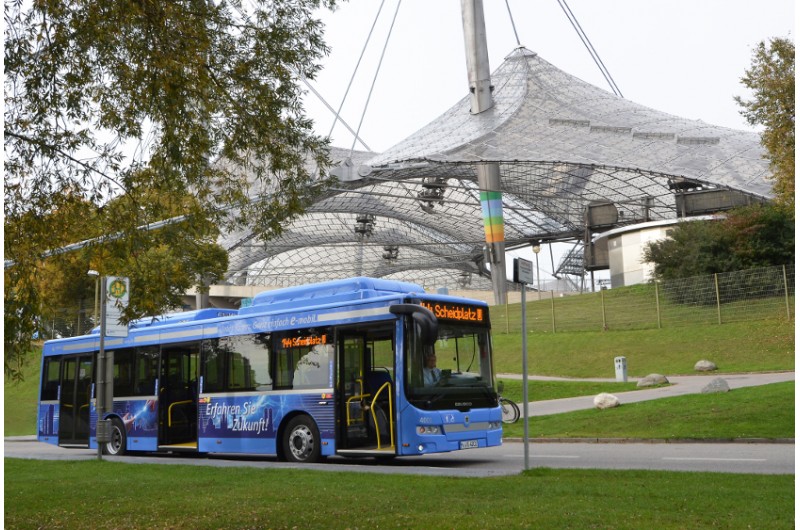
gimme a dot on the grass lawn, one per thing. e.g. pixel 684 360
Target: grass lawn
pixel 99 495
pixel 544 390
pixel 754 412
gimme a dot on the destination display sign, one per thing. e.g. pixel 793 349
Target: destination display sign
pixel 297 342
pixel 456 312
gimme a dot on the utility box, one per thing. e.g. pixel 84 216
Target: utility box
pixel 621 369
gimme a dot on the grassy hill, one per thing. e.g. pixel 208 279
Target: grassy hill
pixel 766 345
pixel 755 335
pixel 20 398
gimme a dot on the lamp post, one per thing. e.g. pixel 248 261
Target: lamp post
pixel 96 275
pixel 536 250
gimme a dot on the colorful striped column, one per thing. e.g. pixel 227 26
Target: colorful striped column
pixel 492 209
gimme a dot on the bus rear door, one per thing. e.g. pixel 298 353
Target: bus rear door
pixel 75 401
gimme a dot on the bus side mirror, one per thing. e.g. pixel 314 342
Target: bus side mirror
pixel 424 318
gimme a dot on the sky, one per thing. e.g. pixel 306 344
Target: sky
pixel 684 57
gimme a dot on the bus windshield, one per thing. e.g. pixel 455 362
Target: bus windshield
pixel 453 373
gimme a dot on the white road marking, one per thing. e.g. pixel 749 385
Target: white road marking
pixel 715 459
pixel 542 456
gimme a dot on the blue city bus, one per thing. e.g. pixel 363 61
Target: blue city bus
pixel 302 373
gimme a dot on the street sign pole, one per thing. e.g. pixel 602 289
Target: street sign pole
pixel 525 434
pixel 100 391
pixel 523 274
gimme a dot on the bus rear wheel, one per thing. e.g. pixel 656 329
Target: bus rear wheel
pixel 119 439
pixel 301 441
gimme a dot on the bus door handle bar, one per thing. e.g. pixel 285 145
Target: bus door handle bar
pixel 357 397
pixel 386 385
pixel 169 410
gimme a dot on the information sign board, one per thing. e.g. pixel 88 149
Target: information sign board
pixel 523 271
pixel 117 294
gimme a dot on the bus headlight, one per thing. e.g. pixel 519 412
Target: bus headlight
pixel 494 425
pixel 429 429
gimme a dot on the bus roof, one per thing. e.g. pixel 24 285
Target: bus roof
pixel 348 290
pixel 175 318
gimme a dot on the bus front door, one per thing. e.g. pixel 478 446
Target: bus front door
pixel 75 401
pixel 365 390
pixel 353 394
pixel 177 397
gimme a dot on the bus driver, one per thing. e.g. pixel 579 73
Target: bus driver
pixel 430 374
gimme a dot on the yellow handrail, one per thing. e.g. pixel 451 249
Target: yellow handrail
pixel 358 397
pixel 391 416
pixel 169 410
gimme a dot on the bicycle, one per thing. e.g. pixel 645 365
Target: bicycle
pixel 510 410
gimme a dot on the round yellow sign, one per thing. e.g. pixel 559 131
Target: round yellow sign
pixel 117 289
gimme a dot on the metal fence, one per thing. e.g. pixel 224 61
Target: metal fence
pixel 66 322
pixel 753 294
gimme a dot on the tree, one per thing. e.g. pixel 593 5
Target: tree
pixel 749 237
pixel 771 78
pixel 185 99
pixel 161 264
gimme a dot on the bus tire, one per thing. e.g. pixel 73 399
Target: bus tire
pixel 119 439
pixel 301 442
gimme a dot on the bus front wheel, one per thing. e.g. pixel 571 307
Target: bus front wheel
pixel 301 441
pixel 119 439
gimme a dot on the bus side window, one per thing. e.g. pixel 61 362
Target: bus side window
pixel 123 372
pixel 50 379
pixel 237 364
pixel 313 368
pixel 303 359
pixel 212 366
pixel 283 369
pixel 146 371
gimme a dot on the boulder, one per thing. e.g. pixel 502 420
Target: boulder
pixel 652 380
pixel 605 401
pixel 704 366
pixel 716 385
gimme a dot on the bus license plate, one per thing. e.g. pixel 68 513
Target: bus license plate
pixel 469 444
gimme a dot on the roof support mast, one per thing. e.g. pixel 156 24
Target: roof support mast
pixel 480 88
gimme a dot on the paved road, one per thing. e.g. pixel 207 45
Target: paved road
pixel 507 459
pixel 761 458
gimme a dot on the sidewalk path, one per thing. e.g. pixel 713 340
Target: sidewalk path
pixel 680 385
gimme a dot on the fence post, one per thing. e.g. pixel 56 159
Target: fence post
pixel 786 294
pixel 553 308
pixel 603 306
pixel 719 308
pixel 658 307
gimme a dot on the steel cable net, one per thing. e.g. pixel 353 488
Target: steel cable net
pixel 561 145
